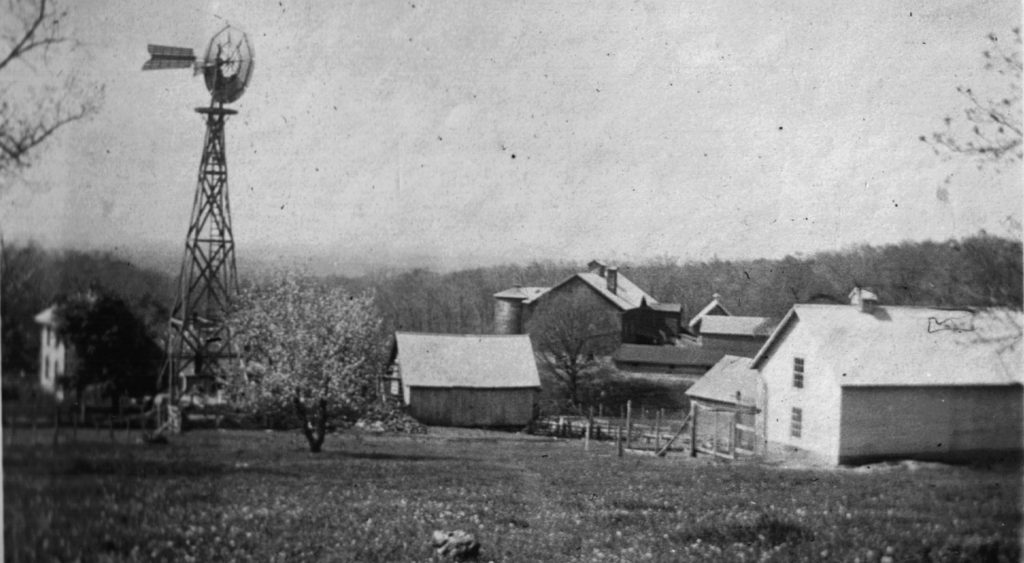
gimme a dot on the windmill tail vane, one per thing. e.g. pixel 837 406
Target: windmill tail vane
pixel 162 56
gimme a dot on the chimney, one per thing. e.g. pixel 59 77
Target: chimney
pixel 863 299
pixel 613 279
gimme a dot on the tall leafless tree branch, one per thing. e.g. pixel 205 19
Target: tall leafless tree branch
pixel 989 128
pixel 35 101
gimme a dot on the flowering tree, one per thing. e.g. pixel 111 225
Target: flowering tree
pixel 306 347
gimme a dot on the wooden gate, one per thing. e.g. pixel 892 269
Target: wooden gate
pixel 722 431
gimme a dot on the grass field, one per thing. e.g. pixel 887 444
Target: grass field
pixel 221 496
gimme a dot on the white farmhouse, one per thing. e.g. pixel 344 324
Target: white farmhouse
pixel 54 354
pixel 861 382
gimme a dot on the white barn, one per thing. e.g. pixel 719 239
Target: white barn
pixel 862 382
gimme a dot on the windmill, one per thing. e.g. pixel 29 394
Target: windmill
pixel 198 342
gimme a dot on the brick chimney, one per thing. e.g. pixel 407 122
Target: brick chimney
pixel 613 279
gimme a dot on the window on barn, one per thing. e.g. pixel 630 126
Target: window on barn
pixel 798 373
pixel 796 423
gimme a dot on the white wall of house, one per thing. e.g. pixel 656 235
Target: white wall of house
pixel 923 421
pixel 52 359
pixel 818 400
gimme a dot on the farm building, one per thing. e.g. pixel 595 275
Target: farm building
pixel 601 287
pixel 860 382
pixel 688 361
pixel 652 323
pixel 723 409
pixel 739 336
pixel 712 309
pixel 466 380
pixel 55 355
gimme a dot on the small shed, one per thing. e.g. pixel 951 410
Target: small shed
pixel 723 409
pixel 652 323
pixel 466 380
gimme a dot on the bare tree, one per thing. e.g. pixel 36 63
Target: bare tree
pixel 37 100
pixel 990 127
pixel 569 334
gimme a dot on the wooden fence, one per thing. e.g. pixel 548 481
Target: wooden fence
pixel 638 428
pixel 723 432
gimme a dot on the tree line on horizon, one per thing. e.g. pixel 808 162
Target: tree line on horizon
pixel 976 271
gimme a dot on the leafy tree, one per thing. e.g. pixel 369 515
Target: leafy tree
pixel 312 348
pixel 569 334
pixel 990 126
pixel 36 98
pixel 111 346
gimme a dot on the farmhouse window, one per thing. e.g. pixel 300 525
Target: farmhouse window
pixel 798 373
pixel 796 423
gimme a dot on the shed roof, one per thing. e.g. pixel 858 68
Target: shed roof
pixel 709 310
pixel 907 346
pixel 730 375
pixel 456 360
pixel 741 326
pixel 667 355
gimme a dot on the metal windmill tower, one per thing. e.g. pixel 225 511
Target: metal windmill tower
pixel 198 341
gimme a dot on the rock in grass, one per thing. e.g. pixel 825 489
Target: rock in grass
pixel 457 545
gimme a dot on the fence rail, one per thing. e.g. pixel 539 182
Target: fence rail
pixel 638 428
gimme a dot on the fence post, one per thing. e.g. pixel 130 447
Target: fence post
pixel 618 439
pixel 586 433
pixel 657 431
pixel 629 424
pixel 693 429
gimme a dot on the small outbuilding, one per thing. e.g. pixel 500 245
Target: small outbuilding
pixel 465 380
pixel 690 362
pixel 862 382
pixel 723 409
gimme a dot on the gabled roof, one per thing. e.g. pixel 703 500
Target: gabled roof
pixel 47 316
pixel 627 295
pixel 667 355
pixel 456 360
pixel 897 346
pixel 730 375
pixel 739 326
pixel 709 311
pixel 520 292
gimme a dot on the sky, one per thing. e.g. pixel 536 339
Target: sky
pixel 383 134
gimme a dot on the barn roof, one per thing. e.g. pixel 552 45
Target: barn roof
pixel 730 375
pixel 907 346
pixel 667 355
pixel 627 295
pixel 520 292
pixel 741 326
pixel 456 360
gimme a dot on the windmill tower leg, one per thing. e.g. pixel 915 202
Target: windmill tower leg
pixel 198 341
